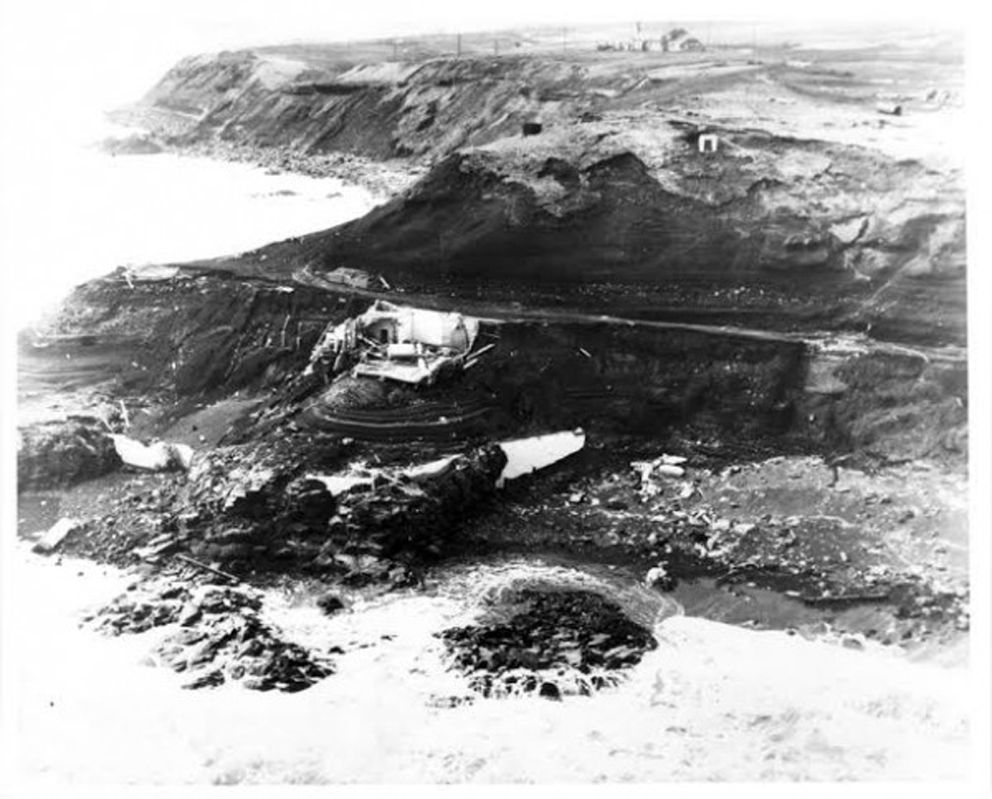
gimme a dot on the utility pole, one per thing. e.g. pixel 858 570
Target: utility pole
pixel 458 50
pixel 496 47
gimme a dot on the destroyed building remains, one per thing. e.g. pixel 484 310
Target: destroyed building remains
pixel 394 342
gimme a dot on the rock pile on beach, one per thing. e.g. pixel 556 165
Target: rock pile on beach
pixel 217 637
pixel 553 642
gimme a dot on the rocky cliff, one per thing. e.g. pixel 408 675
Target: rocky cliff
pixel 383 110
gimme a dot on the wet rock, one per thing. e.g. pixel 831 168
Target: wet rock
pixel 447 702
pixel 549 691
pixel 209 679
pixel 189 615
pixel 274 517
pixel 219 637
pixel 330 603
pixel 576 633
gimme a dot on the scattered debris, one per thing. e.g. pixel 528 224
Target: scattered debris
pixel 206 567
pixel 56 534
pixel 357 278
pixel 667 466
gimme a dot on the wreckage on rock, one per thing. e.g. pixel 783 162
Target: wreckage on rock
pixel 259 511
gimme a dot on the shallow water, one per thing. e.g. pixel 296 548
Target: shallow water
pixel 712 702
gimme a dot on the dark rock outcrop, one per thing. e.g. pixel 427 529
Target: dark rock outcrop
pixel 59 453
pixel 551 642
pixel 219 637
pixel 261 511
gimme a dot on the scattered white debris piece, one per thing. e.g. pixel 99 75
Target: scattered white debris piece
pixel 157 456
pixel 526 455
pixel 426 471
pixel 56 534
pixel 124 415
pixel 656 574
pixel 663 466
pixel 341 483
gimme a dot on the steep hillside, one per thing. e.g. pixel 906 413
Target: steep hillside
pixel 623 216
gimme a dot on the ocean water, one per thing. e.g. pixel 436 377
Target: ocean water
pixel 713 702
pixel 75 213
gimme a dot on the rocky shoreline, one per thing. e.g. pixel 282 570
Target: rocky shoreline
pixel 763 347
pixel 170 132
